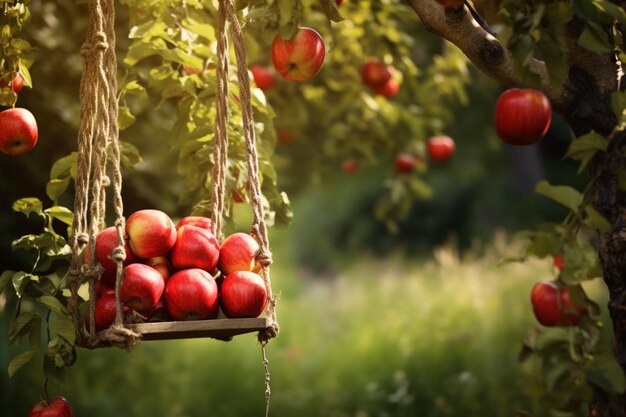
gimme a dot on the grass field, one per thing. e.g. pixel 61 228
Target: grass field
pixel 387 337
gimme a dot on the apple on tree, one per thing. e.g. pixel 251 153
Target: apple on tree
pixel 301 57
pixel 142 287
pixel 522 116
pixel 559 261
pixel 349 165
pixel 18 131
pixel 53 407
pixel 16 83
pixel 151 233
pixel 405 163
pixel 440 148
pixel 191 294
pixel 263 77
pixel 243 294
pixel 195 247
pixel 553 306
pixel 285 136
pixel 374 73
pixel 390 89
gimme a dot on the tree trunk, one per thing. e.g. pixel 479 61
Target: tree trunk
pixel 589 110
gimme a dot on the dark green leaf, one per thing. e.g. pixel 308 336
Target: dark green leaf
pixel 20 360
pixel 5 278
pixel 597 220
pixel 22 324
pixel 20 280
pixel 55 373
pixel 564 195
pixel 605 372
pixel 53 304
pixel 63 326
pixel 331 10
pixel 610 9
pixel 595 38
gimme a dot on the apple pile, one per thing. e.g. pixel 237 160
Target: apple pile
pixel 18 127
pixel 178 272
pixel 379 78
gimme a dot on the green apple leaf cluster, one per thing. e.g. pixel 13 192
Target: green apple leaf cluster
pixel 16 53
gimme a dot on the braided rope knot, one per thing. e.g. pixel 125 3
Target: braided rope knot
pixel 98 45
pixel 264 257
pixel 118 255
pixel 82 239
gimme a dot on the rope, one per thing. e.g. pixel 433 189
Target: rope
pixel 97 130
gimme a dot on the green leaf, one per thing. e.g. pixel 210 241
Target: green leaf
pixel 63 326
pixel 5 278
pixel 23 324
pixel 55 373
pixel 63 166
pixel 595 38
pixel 53 304
pixel 331 10
pixel 585 147
pixel 605 372
pixel 597 220
pixel 56 187
pixel 562 194
pixel 60 213
pixel 609 9
pixel 28 205
pixel 125 118
pixel 20 280
pixel 130 154
pixel 20 360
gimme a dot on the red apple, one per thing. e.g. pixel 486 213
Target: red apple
pixel 522 116
pixel 350 166
pixel 390 89
pixel 559 261
pixel 151 233
pixel 161 264
pixel 553 306
pixel 450 3
pixel 101 289
pixel 200 221
pixel 191 294
pixel 53 407
pixel 285 136
pixel 440 148
pixel 106 241
pixel 105 312
pixel 375 73
pixel 405 163
pixel 263 77
pixel 301 57
pixel 18 131
pixel 243 294
pixel 16 83
pixel 238 253
pixel 340 2
pixel 158 312
pixel 195 248
pixel 142 287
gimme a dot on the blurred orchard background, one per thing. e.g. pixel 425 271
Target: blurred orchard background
pixel 393 300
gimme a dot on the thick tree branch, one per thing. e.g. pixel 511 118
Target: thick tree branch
pixel 459 27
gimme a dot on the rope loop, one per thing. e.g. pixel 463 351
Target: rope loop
pixel 82 238
pixel 264 257
pixel 105 181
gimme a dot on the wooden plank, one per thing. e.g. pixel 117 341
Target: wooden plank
pixel 223 329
